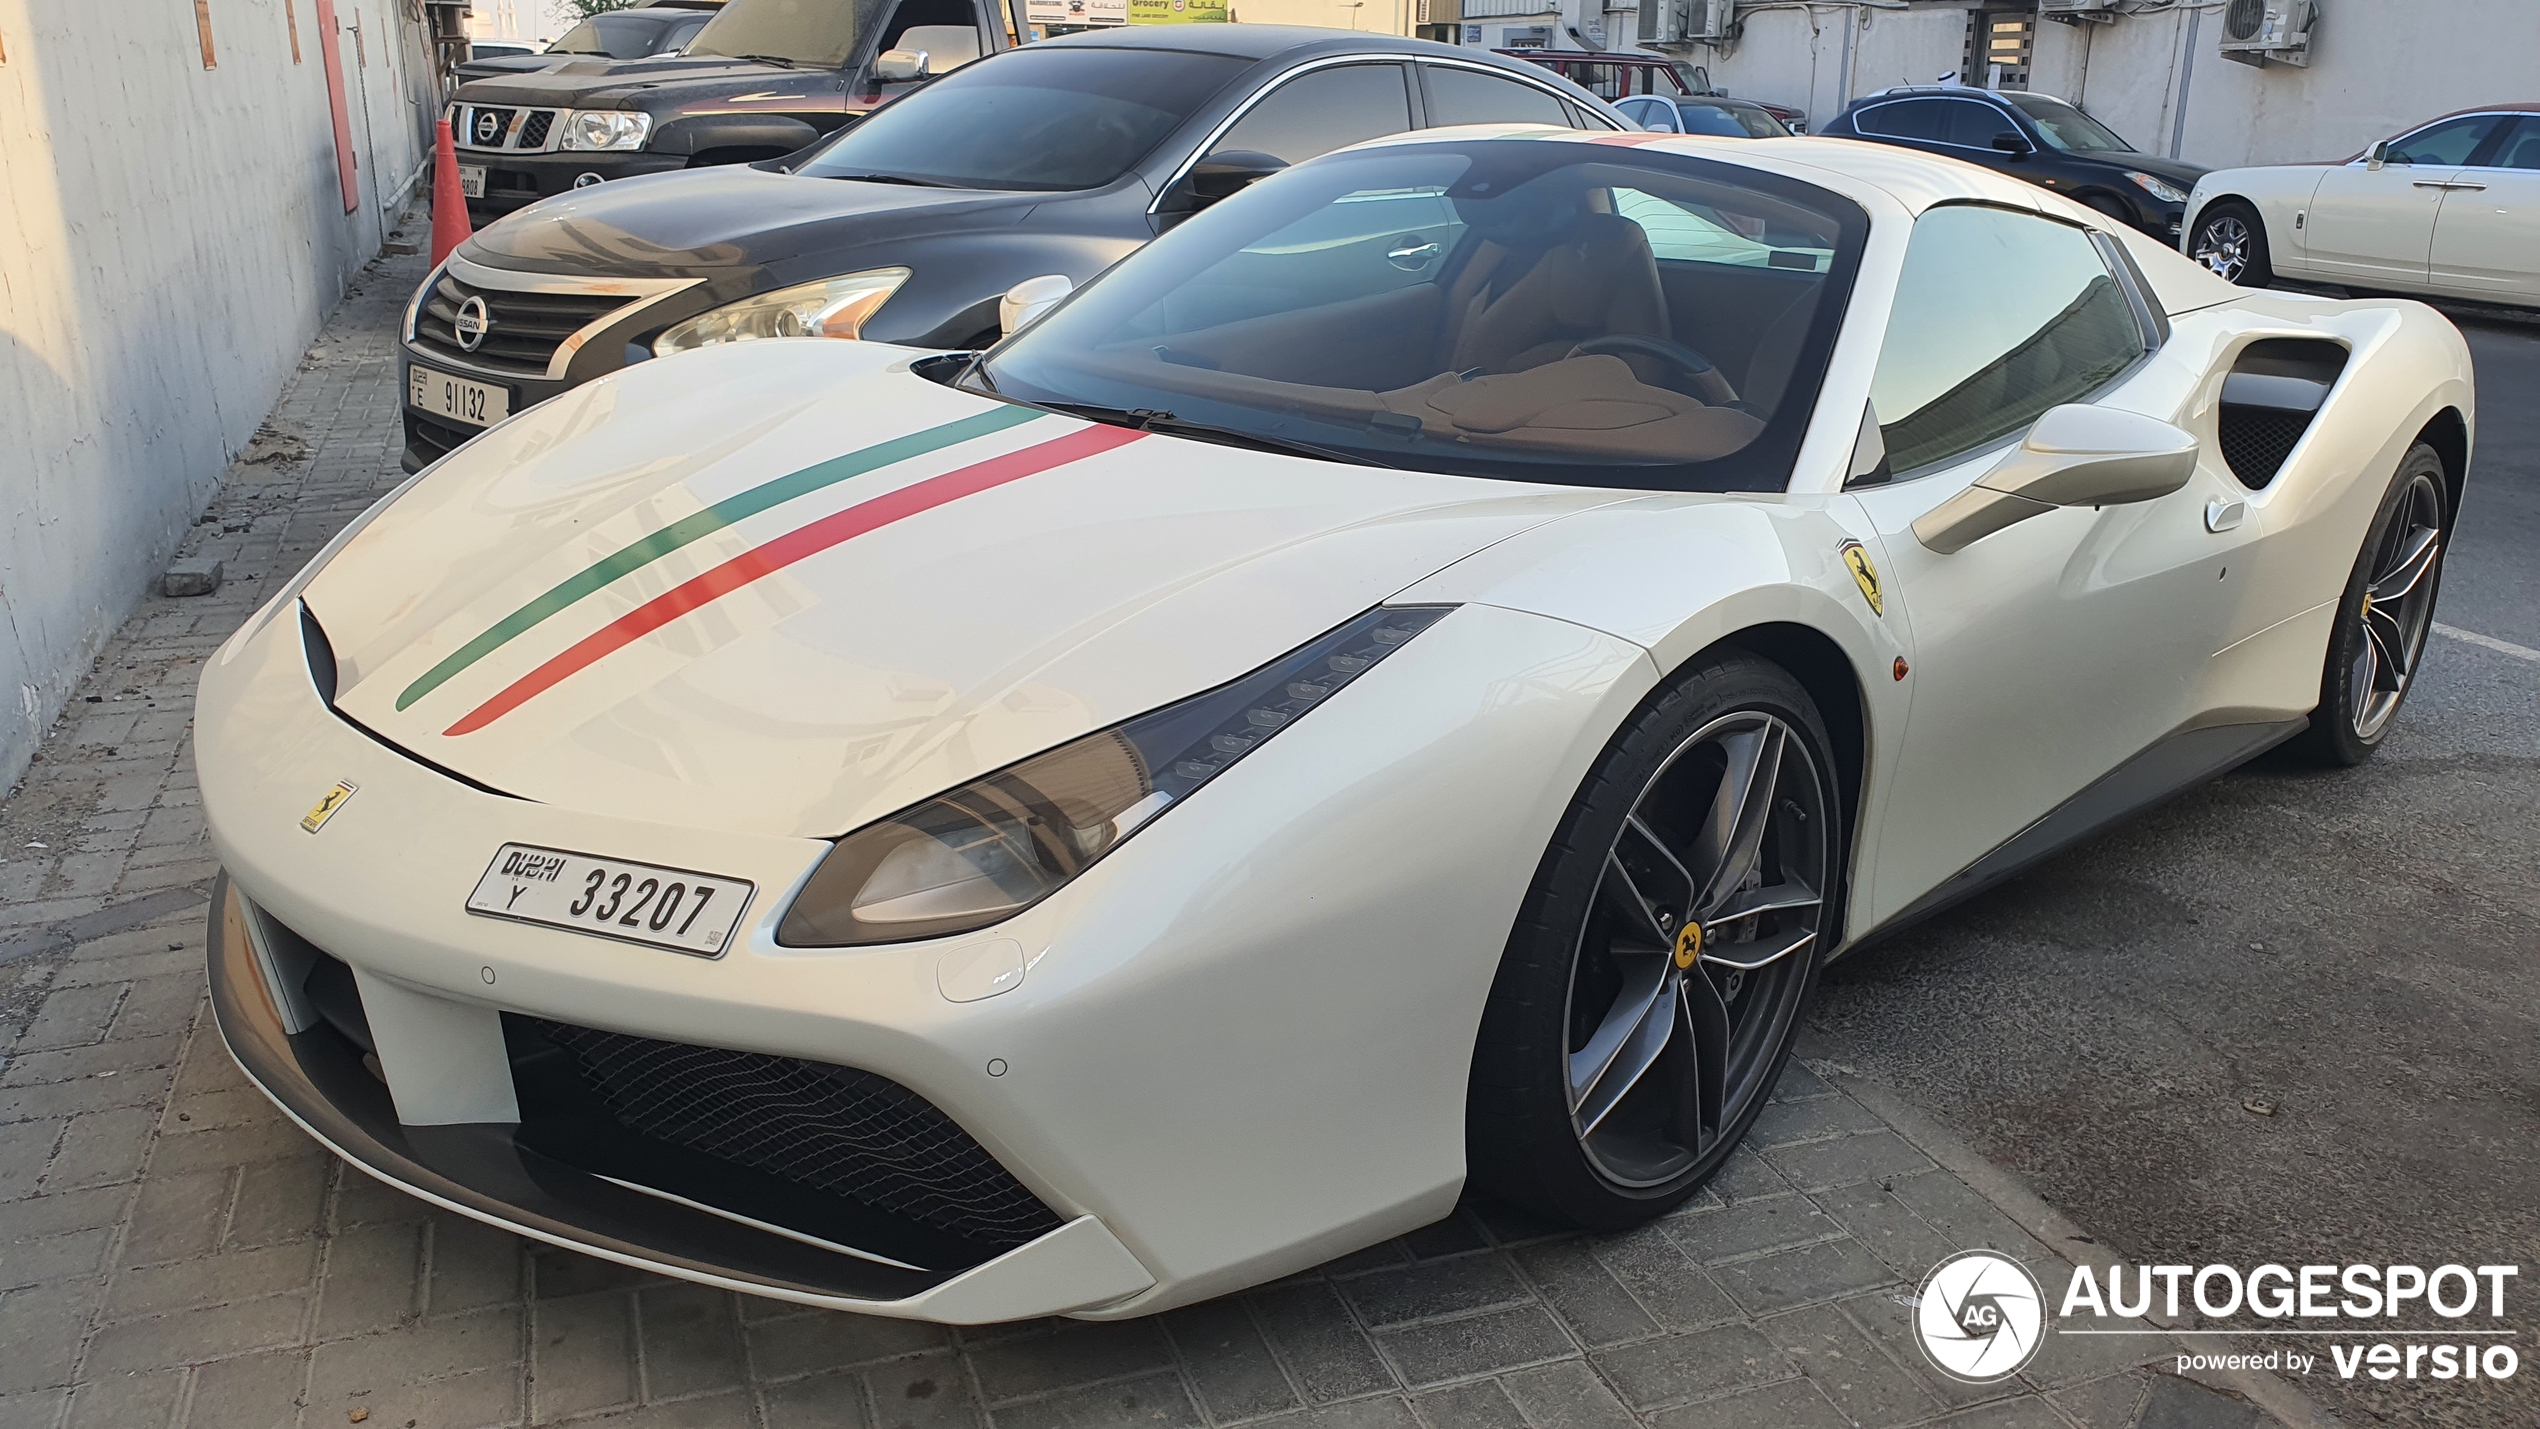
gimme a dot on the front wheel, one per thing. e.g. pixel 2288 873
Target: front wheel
pixel 2383 618
pixel 1656 976
pixel 2231 240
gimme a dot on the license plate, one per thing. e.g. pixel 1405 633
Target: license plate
pixel 479 404
pixel 644 903
pixel 472 180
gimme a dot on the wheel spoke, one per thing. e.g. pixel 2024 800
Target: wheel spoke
pixel 1622 896
pixel 1750 964
pixel 2368 678
pixel 1785 896
pixel 1734 829
pixel 2406 572
pixel 1706 1019
pixel 2389 648
pixel 1634 1033
pixel 1687 888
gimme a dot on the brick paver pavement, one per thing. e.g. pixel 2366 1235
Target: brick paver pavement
pixel 173 1253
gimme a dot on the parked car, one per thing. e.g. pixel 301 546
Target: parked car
pixel 1396 688
pixel 2451 208
pixel 1610 76
pixel 2037 137
pixel 664 27
pixel 499 50
pixel 761 79
pixel 1052 160
pixel 1703 114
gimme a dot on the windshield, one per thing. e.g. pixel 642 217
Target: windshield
pixel 1031 119
pixel 2067 128
pixel 1529 309
pixel 1735 121
pixel 816 34
pixel 620 37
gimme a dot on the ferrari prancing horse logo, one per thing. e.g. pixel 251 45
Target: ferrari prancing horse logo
pixel 326 807
pixel 1689 945
pixel 1864 575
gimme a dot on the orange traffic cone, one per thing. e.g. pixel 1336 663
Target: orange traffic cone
pixel 450 227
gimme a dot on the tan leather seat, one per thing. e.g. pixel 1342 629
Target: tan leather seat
pixel 1599 280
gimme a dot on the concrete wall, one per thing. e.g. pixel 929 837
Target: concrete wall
pixel 171 238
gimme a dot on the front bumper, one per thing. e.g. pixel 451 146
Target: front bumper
pixel 1241 1047
pixel 514 180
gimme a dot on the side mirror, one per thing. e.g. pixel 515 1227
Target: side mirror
pixel 2076 455
pixel 1229 172
pixel 2011 144
pixel 1024 303
pixel 899 66
pixel 2377 155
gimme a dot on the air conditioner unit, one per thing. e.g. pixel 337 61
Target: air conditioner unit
pixel 2256 31
pixel 2074 12
pixel 1686 22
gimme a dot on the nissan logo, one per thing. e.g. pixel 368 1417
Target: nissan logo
pixel 472 323
pixel 489 127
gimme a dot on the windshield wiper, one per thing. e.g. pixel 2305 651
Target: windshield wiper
pixel 1150 419
pixel 778 60
pixel 890 179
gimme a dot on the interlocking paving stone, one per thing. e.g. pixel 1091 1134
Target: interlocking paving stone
pixel 174 1253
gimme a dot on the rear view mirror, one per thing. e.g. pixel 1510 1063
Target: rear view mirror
pixel 1230 171
pixel 899 66
pixel 1024 303
pixel 2076 455
pixel 2378 154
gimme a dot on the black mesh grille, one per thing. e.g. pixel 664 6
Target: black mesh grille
pixel 832 1129
pixel 2256 440
pixel 523 330
pixel 486 127
pixel 533 130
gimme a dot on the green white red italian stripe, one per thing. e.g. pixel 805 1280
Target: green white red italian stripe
pixel 772 556
pixel 768 494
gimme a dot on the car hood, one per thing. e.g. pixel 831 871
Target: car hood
pixel 2177 171
pixel 605 604
pixel 595 82
pixel 708 221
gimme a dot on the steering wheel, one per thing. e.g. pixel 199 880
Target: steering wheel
pixel 1697 377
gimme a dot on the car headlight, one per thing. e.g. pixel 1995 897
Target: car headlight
pixel 1002 842
pixel 832 307
pixel 616 129
pixel 2166 193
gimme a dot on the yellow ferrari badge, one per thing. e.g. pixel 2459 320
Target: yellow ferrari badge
pixel 1689 945
pixel 327 806
pixel 1864 575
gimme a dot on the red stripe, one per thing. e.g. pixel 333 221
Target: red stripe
pixel 703 590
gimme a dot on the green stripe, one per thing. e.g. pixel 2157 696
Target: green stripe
pixel 705 523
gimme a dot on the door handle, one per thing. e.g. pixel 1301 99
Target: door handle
pixel 2464 186
pixel 2223 515
pixel 2430 184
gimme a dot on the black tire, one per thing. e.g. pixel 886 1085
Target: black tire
pixel 2376 648
pixel 2231 241
pixel 1614 1154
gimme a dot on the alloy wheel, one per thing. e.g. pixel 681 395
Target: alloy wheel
pixel 1696 949
pixel 2222 244
pixel 2398 606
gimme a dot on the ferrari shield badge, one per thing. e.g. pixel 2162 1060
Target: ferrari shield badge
pixel 326 807
pixel 1864 575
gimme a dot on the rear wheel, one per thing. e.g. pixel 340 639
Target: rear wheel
pixel 2231 240
pixel 1656 976
pixel 2383 619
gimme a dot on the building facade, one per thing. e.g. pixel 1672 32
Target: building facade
pixel 190 187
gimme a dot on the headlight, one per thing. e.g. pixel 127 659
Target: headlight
pixel 1003 842
pixel 606 129
pixel 832 307
pixel 2166 193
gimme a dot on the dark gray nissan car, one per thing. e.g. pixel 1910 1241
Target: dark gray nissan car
pixel 1054 159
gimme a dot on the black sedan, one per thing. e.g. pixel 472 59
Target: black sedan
pixel 1053 160
pixel 2036 137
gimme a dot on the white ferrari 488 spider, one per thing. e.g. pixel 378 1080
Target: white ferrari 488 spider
pixel 1398 686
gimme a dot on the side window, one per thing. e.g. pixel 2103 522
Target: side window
pixel 1322 110
pixel 1463 96
pixel 2449 143
pixel 1904 119
pixel 2521 148
pixel 1974 125
pixel 1999 316
pixel 1651 114
pixel 1682 235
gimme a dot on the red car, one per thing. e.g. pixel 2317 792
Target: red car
pixel 1614 76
